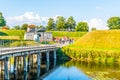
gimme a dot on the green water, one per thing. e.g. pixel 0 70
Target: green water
pixel 70 70
pixel 74 70
pixel 97 71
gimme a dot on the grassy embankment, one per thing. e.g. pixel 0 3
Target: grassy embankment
pixel 12 33
pixel 74 35
pixel 98 46
pixel 17 35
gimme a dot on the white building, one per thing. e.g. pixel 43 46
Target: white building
pixel 37 35
pixel 29 36
pixel 31 30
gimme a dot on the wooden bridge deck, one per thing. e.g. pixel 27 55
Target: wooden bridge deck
pixel 16 51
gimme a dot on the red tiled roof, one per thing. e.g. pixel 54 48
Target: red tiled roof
pixel 32 26
pixel 4 28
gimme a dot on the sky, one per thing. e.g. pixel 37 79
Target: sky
pixel 95 12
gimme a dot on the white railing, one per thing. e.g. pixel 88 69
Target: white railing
pixel 24 48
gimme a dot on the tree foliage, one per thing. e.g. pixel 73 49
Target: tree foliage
pixel 2 20
pixel 50 24
pixel 16 27
pixel 24 27
pixel 113 23
pixel 60 23
pixel 41 26
pixel 93 29
pixel 82 26
pixel 70 24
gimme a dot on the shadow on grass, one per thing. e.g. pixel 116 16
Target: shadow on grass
pixel 61 55
pixel 3 34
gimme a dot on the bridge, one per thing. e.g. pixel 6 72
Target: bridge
pixel 25 52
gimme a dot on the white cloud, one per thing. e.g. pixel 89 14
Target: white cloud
pixel 97 23
pixel 28 17
pixel 32 18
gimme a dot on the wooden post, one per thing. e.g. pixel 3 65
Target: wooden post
pixel 6 68
pixel 47 65
pixel 39 59
pixel 54 54
pixel 25 62
pixel 54 57
pixel 15 64
pixel 29 60
pixel 47 56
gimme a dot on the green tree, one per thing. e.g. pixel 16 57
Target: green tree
pixel 24 27
pixel 82 26
pixel 41 26
pixel 50 24
pixel 8 27
pixel 60 23
pixel 2 20
pixel 93 29
pixel 70 24
pixel 16 27
pixel 113 23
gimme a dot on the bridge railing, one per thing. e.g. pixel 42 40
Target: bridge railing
pixel 25 48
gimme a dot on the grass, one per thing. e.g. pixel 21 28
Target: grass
pixel 24 43
pixel 98 46
pixel 100 39
pixel 74 35
pixel 9 37
pixel 19 33
pixel 67 33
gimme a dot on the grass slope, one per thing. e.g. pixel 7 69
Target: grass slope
pixel 19 33
pixel 68 34
pixel 74 35
pixel 100 39
pixel 100 45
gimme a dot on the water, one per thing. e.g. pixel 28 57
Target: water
pixel 74 70
pixel 71 70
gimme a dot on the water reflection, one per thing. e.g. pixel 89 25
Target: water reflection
pixel 71 70
pixel 64 73
pixel 97 71
pixel 74 70
pixel 54 63
pixel 25 75
pixel 15 75
pixel 47 66
pixel 38 73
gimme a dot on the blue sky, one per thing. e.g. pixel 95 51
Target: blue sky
pixel 95 12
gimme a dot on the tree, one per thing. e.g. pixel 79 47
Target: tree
pixel 8 27
pixel 70 24
pixel 2 20
pixel 82 26
pixel 24 27
pixel 93 29
pixel 16 27
pixel 60 23
pixel 50 24
pixel 41 26
pixel 113 23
